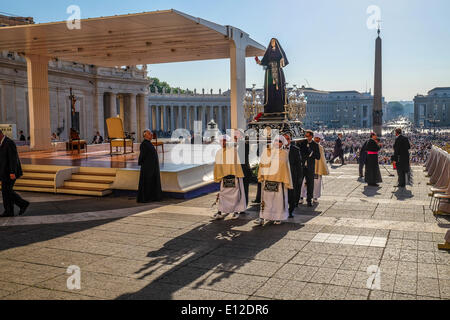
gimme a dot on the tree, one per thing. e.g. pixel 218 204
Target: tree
pixel 396 108
pixel 162 84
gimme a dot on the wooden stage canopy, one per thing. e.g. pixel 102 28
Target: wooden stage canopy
pixel 133 39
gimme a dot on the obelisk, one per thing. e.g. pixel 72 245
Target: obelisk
pixel 377 98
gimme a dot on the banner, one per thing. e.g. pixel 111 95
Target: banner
pixel 9 130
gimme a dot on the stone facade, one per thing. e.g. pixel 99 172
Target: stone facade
pixel 100 93
pixel 170 111
pixel 338 109
pixel 433 109
pixel 7 21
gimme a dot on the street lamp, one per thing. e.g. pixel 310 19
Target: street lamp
pixel 253 104
pixel 434 121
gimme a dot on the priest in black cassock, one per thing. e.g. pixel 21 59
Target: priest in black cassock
pixel 149 179
pixel 401 157
pixel 295 164
pixel 372 173
pixel 274 61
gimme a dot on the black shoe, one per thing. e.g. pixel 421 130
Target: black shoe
pixel 23 209
pixel 373 185
pixel 4 215
pixel 291 216
pixel 310 204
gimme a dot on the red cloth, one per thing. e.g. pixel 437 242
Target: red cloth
pixel 372 152
pixel 258 116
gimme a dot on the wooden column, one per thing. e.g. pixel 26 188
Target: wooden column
pixel 237 77
pixel 39 102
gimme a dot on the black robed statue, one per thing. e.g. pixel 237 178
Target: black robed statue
pixel 149 179
pixel 274 83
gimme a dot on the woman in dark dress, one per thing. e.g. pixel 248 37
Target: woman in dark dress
pixel 274 83
pixel 149 179
pixel 372 173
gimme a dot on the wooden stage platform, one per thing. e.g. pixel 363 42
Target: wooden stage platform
pixel 97 173
pixel 98 159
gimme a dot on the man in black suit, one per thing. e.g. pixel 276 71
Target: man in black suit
pixel 295 162
pixel 10 171
pixel 98 139
pixel 400 159
pixel 310 152
pixel 338 151
pixel 362 159
pixel 22 137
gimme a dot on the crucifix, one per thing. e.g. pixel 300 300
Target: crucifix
pixel 379 26
pixel 75 123
pixel 73 101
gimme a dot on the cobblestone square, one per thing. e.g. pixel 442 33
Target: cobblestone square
pixel 357 243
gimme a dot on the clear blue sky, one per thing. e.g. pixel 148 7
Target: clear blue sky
pixel 327 41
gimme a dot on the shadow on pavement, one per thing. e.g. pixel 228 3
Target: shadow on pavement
pixel 222 246
pixel 403 194
pixel 371 191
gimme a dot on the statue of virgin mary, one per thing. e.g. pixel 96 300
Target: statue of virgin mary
pixel 274 61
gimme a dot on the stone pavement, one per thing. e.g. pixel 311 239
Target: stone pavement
pixel 173 250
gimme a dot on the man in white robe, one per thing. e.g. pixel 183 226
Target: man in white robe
pixel 228 172
pixel 275 177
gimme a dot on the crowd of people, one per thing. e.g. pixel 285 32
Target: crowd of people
pixel 352 143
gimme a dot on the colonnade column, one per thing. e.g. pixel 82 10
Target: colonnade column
pixel 203 118
pixel 99 114
pixel 172 118
pixel 112 105
pixel 195 116
pixel 188 117
pixel 133 112
pixel 211 113
pixel 143 116
pixel 150 117
pixel 180 117
pixel 165 119
pixel 158 118
pixel 220 121
pixel 121 107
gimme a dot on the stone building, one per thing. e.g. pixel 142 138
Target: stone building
pixel 433 109
pixel 170 111
pixel 6 21
pixel 100 93
pixel 338 109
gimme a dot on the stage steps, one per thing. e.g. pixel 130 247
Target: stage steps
pixel 37 179
pixel 76 181
pixel 90 181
